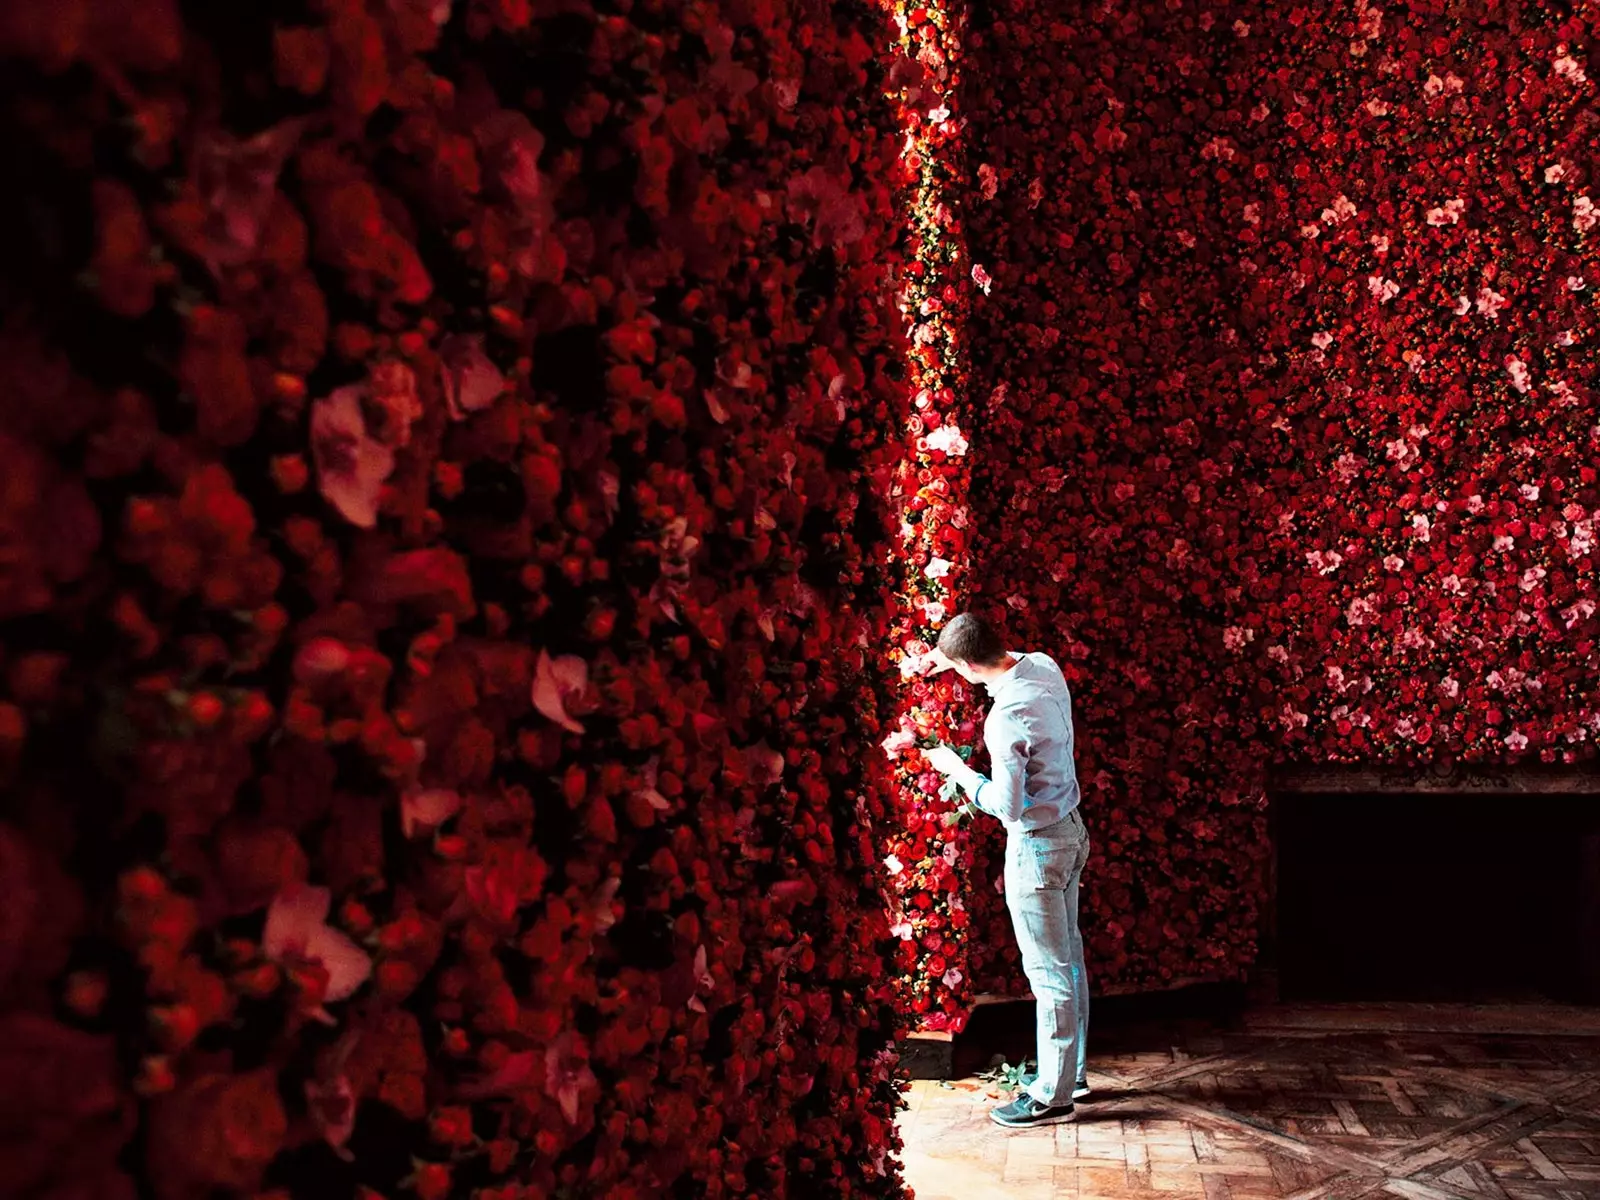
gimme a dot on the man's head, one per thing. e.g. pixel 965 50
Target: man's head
pixel 974 648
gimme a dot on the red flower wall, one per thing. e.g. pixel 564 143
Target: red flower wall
pixel 1283 392
pixel 440 562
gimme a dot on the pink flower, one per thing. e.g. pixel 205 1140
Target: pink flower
pixel 320 659
pixel 511 148
pixel 647 791
pixel 1448 214
pixel 947 438
pixel 898 742
pixel 764 764
pixel 237 182
pixel 1518 370
pixel 982 278
pixel 297 931
pixel 703 979
pixel 330 1098
pixel 603 905
pixel 471 381
pixel 558 681
pixel 429 808
pixel 1568 68
pixel 351 465
pixel 988 181
pixel 391 404
pixel 567 1077
pixel 1584 214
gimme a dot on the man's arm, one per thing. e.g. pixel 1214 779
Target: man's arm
pixel 1001 796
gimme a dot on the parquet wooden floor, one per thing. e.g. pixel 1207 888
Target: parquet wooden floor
pixel 1425 1102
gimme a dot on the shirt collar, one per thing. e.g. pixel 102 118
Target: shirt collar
pixel 998 688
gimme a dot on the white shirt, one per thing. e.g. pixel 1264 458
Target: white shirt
pixel 1029 736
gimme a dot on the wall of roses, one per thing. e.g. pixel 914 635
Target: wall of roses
pixel 442 560
pixel 1284 423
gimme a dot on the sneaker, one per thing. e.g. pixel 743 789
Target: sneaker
pixel 1025 1112
pixel 1080 1090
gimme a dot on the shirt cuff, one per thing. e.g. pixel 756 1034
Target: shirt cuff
pixel 969 780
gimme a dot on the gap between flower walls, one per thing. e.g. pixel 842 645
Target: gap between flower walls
pixel 926 860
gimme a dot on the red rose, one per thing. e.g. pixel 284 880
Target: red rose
pixel 432 1181
pixel 451 1126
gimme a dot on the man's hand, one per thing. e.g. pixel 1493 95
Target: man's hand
pixel 945 760
pixel 930 664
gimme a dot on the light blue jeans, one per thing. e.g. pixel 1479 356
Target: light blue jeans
pixel 1042 871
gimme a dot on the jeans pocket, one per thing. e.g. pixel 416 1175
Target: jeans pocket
pixel 1051 863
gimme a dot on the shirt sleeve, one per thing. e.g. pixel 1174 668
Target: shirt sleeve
pixel 1002 795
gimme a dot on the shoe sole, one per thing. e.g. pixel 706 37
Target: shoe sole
pixel 1061 1119
pixel 1078 1096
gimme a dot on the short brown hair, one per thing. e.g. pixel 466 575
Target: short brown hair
pixel 972 640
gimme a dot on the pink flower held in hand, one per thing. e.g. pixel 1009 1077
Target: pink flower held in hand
pixel 898 742
pixel 297 931
pixel 351 464
pixel 558 681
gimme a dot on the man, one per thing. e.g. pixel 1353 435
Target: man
pixel 1034 794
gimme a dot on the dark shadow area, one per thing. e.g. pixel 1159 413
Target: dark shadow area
pixel 1438 898
pixel 1117 1023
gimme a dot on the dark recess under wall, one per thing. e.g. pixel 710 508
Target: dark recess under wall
pixel 1437 897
